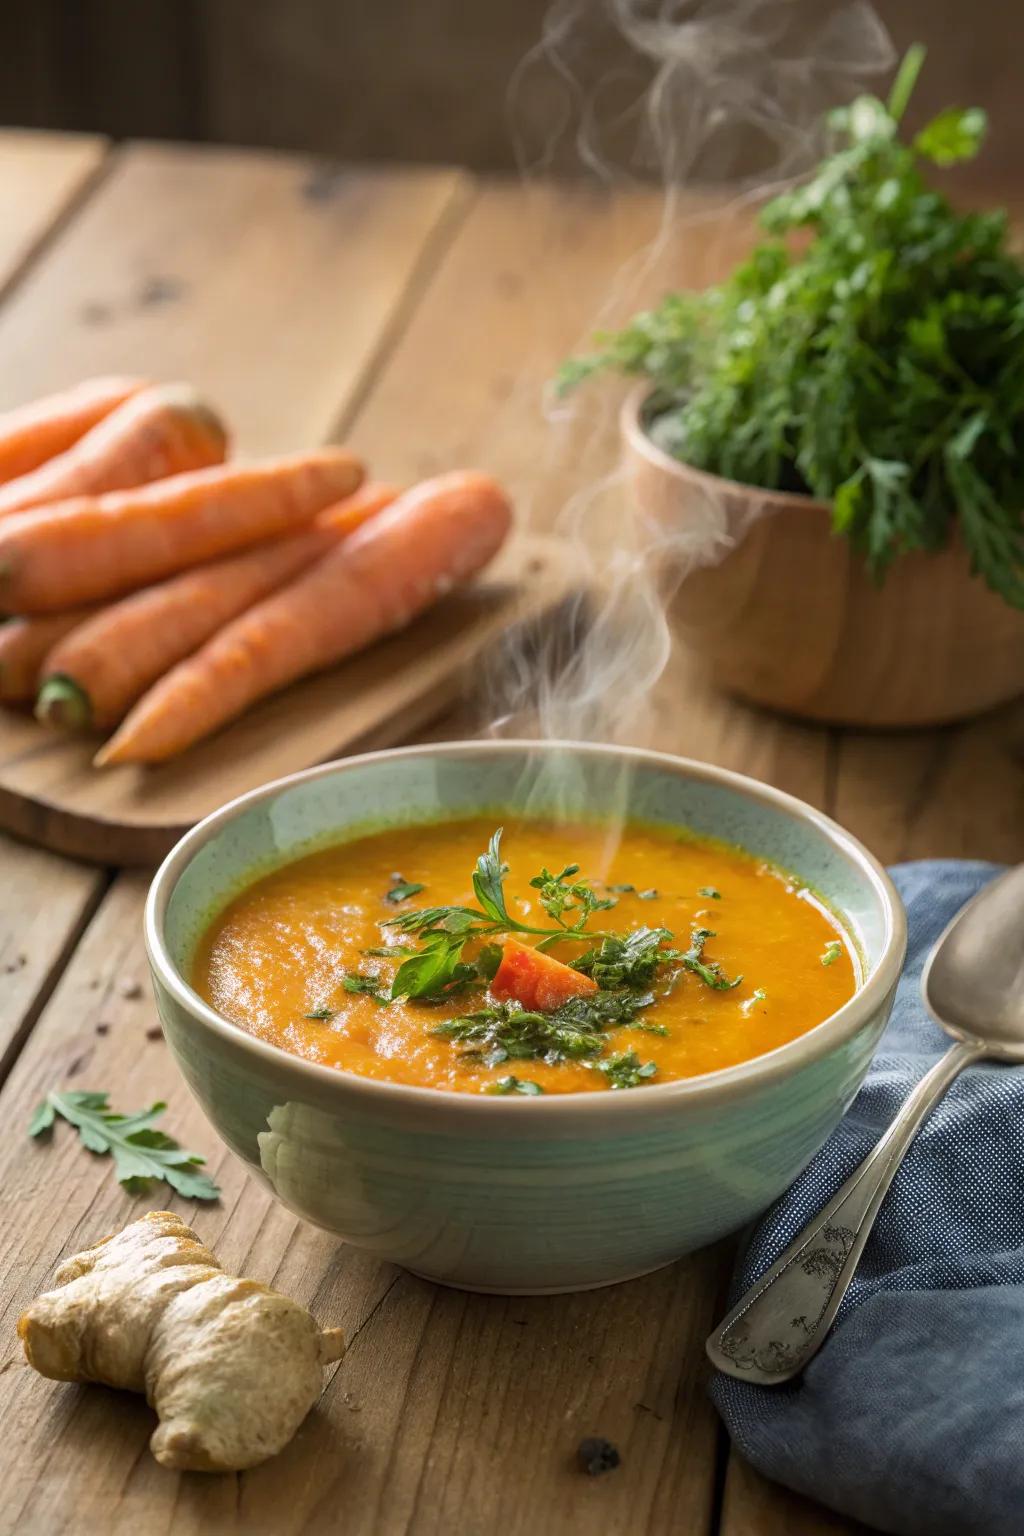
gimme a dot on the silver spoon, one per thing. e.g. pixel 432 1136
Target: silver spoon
pixel 973 985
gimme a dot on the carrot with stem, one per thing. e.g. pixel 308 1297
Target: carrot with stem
pixel 95 547
pixel 93 677
pixel 159 432
pixel 31 434
pixel 436 535
pixel 24 647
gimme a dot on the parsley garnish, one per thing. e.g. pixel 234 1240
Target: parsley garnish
pixel 625 960
pixel 625 1070
pixel 141 1155
pixel 709 892
pixel 515 1085
pixel 649 895
pixel 833 949
pixel 321 1014
pixel 709 971
pixel 366 986
pixel 437 968
pixel 874 363
pixel 402 890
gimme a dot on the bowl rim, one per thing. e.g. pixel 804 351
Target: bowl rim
pixel 707 1088
pixel 639 442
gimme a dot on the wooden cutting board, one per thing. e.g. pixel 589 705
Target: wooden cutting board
pixel 51 794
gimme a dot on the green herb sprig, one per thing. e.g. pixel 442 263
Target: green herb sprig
pixel 141 1155
pixel 876 360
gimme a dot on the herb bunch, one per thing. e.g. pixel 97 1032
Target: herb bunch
pixel 879 364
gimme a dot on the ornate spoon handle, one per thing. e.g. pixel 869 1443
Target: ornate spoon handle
pixel 783 1319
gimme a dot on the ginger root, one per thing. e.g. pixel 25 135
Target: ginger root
pixel 231 1367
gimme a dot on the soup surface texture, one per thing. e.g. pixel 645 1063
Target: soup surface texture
pixel 307 957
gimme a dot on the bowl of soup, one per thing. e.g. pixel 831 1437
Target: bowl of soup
pixel 523 1018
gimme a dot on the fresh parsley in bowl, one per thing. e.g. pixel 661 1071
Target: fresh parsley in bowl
pixel 869 352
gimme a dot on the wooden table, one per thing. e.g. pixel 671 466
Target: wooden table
pixel 417 315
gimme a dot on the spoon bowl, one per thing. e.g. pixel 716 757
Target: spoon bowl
pixel 973 980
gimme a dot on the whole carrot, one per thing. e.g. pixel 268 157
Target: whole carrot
pixel 25 645
pixel 94 547
pixel 93 677
pixel 159 432
pixel 436 535
pixel 33 433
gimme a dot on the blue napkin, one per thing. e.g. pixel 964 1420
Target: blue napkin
pixel 911 1416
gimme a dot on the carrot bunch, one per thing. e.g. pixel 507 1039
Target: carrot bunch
pixel 157 591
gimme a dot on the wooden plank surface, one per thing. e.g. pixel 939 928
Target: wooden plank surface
pixel 450 1412
pixel 269 282
pixel 44 901
pixel 42 176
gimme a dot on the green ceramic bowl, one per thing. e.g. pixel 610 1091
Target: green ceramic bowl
pixel 520 1194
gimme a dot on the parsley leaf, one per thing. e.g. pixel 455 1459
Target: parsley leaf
pixel 625 1070
pixel 833 949
pixel 402 890
pixel 709 971
pixel 366 986
pixel 515 1085
pixel 488 880
pixel 709 892
pixel 321 1014
pixel 141 1155
pixel 625 960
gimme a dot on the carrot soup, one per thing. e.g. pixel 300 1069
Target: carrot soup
pixel 547 958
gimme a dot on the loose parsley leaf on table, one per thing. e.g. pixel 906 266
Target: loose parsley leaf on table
pixel 141 1155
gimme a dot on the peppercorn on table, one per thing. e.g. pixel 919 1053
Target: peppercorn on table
pixel 415 314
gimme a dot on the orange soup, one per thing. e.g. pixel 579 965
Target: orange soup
pixel 555 960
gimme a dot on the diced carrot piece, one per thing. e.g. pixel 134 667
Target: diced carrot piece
pixel 537 980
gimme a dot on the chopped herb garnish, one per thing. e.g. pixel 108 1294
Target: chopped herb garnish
pixel 649 1029
pixel 833 949
pixel 625 1070
pixel 402 890
pixel 515 1085
pixel 366 986
pixel 621 890
pixel 710 892
pixel 709 971
pixel 506 1031
pixel 321 1014
pixel 759 995
pixel 625 960
pixel 649 895
pixel 558 896
pixel 391 951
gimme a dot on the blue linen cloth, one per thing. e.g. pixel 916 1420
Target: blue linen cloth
pixel 911 1416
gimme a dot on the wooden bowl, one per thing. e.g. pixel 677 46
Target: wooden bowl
pixel 783 613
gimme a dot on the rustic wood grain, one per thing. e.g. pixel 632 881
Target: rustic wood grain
pixel 753 1507
pixel 450 1412
pixel 42 175
pixel 44 901
pixel 268 282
